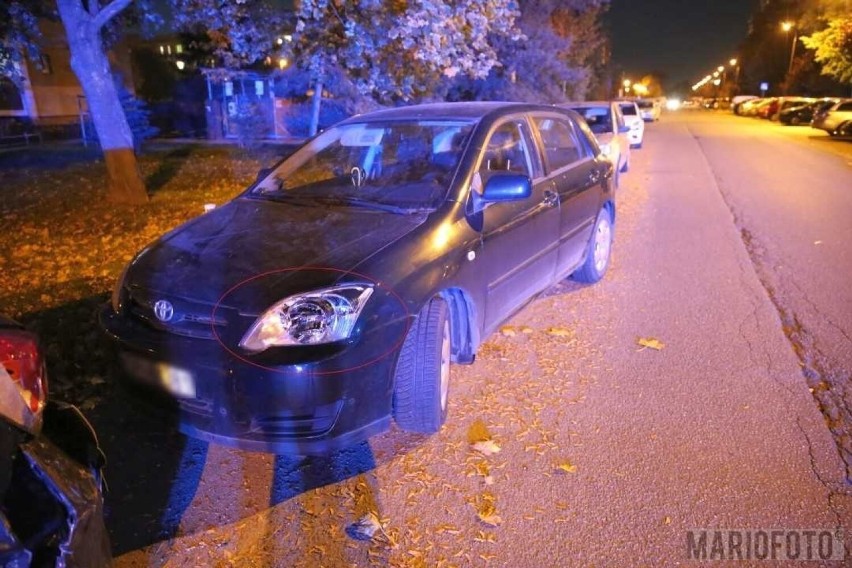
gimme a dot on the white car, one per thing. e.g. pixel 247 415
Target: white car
pixel 633 119
pixel 607 124
pixel 649 110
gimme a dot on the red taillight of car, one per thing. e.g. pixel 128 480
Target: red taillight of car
pixel 21 358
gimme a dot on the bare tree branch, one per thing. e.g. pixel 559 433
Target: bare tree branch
pixel 110 11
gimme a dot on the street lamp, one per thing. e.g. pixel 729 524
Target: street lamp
pixel 735 63
pixel 787 26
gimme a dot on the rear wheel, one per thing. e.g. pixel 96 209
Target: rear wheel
pixel 598 252
pixel 422 378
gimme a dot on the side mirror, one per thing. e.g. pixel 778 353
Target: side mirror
pixel 507 187
pixel 623 129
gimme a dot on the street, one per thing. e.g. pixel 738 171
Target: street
pixel 731 250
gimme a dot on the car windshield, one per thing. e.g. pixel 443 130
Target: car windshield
pixel 628 110
pixel 401 164
pixel 599 118
pixel 645 104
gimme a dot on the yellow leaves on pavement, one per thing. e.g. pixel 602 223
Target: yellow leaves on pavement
pixel 566 467
pixel 486 510
pixel 651 343
pixel 559 331
pixel 510 331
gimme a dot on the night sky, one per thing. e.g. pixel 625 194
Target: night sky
pixel 682 39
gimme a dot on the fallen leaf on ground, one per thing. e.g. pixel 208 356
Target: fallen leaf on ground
pixel 567 467
pixel 486 447
pixel 507 331
pixel 526 329
pixel 365 528
pixel 490 518
pixel 650 342
pixel 478 432
pixel 559 331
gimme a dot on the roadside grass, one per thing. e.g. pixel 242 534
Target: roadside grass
pixel 62 245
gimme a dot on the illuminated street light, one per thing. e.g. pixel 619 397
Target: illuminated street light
pixel 733 62
pixel 626 83
pixel 720 68
pixel 715 73
pixel 180 64
pixel 283 63
pixel 787 26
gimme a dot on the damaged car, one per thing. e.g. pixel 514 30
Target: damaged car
pixel 335 293
pixel 51 504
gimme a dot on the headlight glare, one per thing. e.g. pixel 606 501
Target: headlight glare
pixel 322 316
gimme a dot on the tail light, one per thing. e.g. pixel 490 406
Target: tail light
pixel 21 362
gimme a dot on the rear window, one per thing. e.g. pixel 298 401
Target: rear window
pixel 628 110
pixel 598 118
pixel 845 107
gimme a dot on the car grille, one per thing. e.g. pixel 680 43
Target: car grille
pixel 292 424
pixel 190 318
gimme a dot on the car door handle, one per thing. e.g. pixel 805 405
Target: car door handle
pixel 551 198
pixel 594 176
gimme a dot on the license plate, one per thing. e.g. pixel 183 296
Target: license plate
pixel 177 381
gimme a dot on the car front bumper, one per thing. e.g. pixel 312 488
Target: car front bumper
pixel 334 399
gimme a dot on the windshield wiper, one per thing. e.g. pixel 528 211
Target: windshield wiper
pixel 368 204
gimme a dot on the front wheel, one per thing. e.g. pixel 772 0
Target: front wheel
pixel 422 378
pixel 598 251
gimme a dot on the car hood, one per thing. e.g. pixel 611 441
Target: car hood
pixel 234 244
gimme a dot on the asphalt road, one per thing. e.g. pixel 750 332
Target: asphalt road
pixel 730 250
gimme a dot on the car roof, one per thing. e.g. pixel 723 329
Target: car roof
pixel 458 110
pixel 586 103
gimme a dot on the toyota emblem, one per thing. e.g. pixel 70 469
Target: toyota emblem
pixel 164 310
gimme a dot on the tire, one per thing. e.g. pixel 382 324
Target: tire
pixel 421 381
pixel 795 121
pixel 597 259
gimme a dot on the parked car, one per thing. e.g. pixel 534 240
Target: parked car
pixel 649 110
pixel 785 103
pixel 738 101
pixel 335 292
pixel 633 119
pixel 768 108
pixel 607 123
pixel 750 107
pixel 844 130
pixel 804 113
pixel 51 505
pixel 832 118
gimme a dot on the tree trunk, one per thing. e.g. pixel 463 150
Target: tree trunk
pixel 315 108
pixel 91 65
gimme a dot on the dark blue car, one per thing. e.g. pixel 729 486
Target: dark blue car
pixel 335 292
